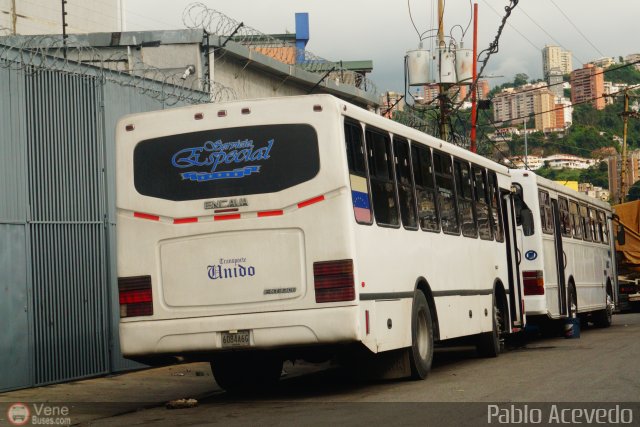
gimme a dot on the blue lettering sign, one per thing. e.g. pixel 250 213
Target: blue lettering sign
pixel 206 176
pixel 216 153
pixel 218 271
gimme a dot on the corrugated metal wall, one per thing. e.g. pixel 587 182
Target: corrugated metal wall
pixel 58 296
pixel 67 211
pixel 16 337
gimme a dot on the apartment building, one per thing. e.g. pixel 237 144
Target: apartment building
pixel 611 88
pixel 587 85
pixel 615 173
pixel 555 81
pixel 556 57
pixel 516 104
pixel 603 62
pixel 634 57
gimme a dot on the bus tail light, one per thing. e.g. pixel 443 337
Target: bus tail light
pixel 136 298
pixel 333 281
pixel 533 282
pixel 627 288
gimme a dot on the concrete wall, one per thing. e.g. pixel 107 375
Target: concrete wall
pixel 45 16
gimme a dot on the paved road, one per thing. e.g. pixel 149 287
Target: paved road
pixel 602 366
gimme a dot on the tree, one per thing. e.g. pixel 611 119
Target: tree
pixel 521 79
pixel 598 175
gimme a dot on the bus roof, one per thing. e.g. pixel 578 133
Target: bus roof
pixel 345 108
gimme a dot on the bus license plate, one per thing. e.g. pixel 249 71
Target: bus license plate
pixel 237 339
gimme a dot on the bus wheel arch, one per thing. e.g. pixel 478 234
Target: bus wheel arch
pixel 502 302
pixel 423 286
pixel 572 298
pixel 491 344
pixel 422 337
pixel 603 318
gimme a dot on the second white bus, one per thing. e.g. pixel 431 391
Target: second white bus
pixel 567 254
pixel 256 231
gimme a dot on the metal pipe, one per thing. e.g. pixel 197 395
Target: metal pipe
pixel 474 81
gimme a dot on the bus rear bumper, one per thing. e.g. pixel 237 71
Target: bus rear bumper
pixel 266 330
pixel 536 305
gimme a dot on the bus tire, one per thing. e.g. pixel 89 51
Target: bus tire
pixel 490 343
pixel 421 350
pixel 246 371
pixel 603 318
pixel 572 309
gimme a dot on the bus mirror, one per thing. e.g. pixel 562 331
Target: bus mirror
pixel 526 216
pixel 620 236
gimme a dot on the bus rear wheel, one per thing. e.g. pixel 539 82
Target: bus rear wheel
pixel 421 351
pixel 246 371
pixel 490 343
pixel 603 318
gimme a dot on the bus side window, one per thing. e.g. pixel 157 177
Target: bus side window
pixel 545 212
pixel 482 202
pixel 595 228
pixel 385 208
pixel 565 219
pixel 585 223
pixel 446 194
pixel 604 229
pixel 465 199
pixel 496 211
pixel 357 172
pixel 405 185
pixel 425 188
pixel 576 223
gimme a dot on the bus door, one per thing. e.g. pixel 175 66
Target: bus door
pixel 514 255
pixel 561 258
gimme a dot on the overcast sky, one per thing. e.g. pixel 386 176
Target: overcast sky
pixel 380 30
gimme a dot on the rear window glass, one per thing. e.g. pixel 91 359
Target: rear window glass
pixel 226 162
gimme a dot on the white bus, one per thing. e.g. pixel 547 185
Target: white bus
pixel 568 268
pixel 257 231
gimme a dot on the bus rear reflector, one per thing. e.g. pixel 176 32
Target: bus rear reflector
pixel 136 298
pixel 333 281
pixel 533 282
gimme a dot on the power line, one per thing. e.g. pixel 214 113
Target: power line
pixel 572 105
pixel 552 38
pixel 511 26
pixel 608 70
pixel 577 29
pixel 493 142
pixel 493 48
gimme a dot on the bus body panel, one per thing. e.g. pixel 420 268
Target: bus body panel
pixel 589 265
pixel 267 330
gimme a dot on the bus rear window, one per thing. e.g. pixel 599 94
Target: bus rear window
pixel 226 162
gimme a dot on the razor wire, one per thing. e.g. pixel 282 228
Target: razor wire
pixel 199 16
pixel 33 54
pixel 408 118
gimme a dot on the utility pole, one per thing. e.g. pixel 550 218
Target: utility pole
pixel 623 166
pixel 14 18
pixel 443 91
pixel 526 159
pixel 64 28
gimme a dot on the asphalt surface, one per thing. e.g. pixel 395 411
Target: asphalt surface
pixel 540 375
